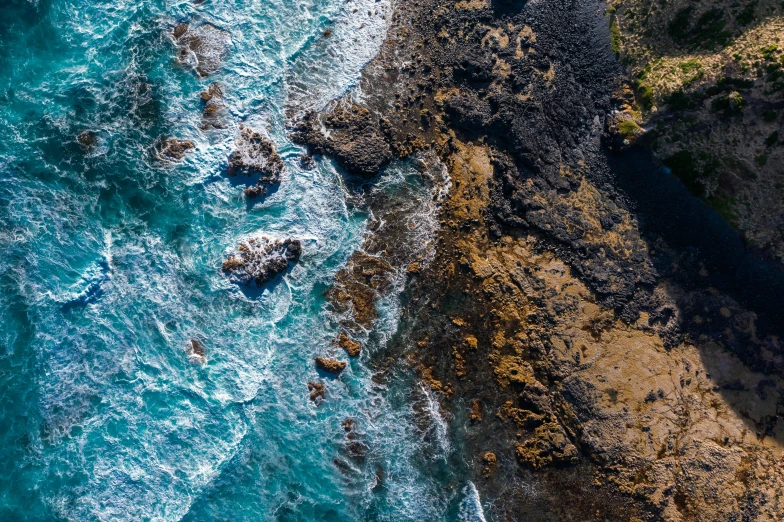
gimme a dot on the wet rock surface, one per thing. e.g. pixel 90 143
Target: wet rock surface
pixel 255 154
pixel 259 260
pixel 214 107
pixel 611 367
pixel 173 150
pixel 202 48
pixel 332 366
pixel 354 139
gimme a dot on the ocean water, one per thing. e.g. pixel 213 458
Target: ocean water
pixel 110 263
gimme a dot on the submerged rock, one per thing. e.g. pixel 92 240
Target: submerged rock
pixel 330 365
pixel 196 352
pixel 202 48
pixel 88 140
pixel 214 107
pixel 258 260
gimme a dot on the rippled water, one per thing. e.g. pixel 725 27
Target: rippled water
pixel 110 264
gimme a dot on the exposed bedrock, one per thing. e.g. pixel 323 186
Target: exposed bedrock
pixel 353 139
pixel 260 259
pixel 612 368
pixel 255 155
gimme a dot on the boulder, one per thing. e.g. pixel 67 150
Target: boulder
pixel 332 366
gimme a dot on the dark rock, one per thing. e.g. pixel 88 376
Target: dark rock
pixel 172 149
pixel 355 139
pixel 88 140
pixel 258 260
pixel 255 154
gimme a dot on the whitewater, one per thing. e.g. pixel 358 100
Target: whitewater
pixel 110 263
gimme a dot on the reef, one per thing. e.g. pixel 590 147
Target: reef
pixel 606 364
pixel 259 260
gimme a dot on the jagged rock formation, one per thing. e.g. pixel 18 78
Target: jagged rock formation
pixel 354 139
pixel 172 150
pixel 258 260
pixel 214 107
pixel 202 48
pixel 332 366
pixel 255 155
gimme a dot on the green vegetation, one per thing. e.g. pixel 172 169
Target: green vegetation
pixel 679 101
pixel 761 160
pixel 772 139
pixel 746 16
pixel 615 35
pixel 769 115
pixel 628 129
pixel 644 94
pixel 769 51
pixel 709 30
pixel 690 66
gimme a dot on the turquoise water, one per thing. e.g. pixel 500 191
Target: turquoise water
pixel 110 264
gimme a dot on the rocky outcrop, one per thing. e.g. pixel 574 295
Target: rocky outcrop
pixel 212 114
pixel 332 366
pixel 172 150
pixel 353 138
pixel 318 392
pixel 607 366
pixel 352 348
pixel 255 155
pixel 260 259
pixel 87 140
pixel 202 48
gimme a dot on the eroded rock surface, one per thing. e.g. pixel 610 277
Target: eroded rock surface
pixel 260 259
pixel 332 366
pixel 353 139
pixel 610 368
pixel 202 48
pixel 172 150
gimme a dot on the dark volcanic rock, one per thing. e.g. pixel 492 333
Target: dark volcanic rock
pixel 354 140
pixel 88 140
pixel 258 260
pixel 202 48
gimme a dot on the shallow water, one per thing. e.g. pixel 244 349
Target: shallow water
pixel 110 264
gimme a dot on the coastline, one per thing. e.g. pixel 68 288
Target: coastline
pixel 590 364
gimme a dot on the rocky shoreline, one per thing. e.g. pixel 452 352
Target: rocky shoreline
pixel 592 365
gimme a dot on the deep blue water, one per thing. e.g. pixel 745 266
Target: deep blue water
pixel 110 264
